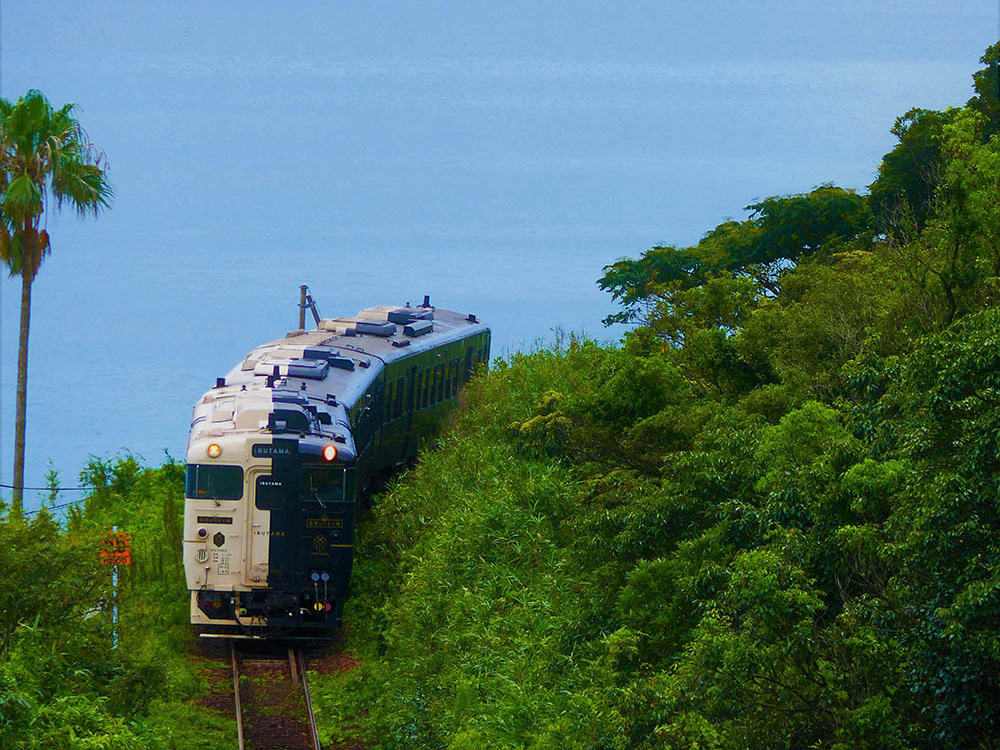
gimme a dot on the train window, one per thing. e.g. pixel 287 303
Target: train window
pixel 424 378
pixel 214 482
pixel 439 383
pixel 269 492
pixel 321 484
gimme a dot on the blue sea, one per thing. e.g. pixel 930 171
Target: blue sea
pixel 493 156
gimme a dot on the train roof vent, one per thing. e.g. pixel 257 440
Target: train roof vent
pixel 335 325
pixel 375 328
pixel 404 315
pixel 342 363
pixel 284 396
pixel 317 352
pixel 400 343
pixel 331 356
pixel 379 312
pixel 311 369
pixel 418 328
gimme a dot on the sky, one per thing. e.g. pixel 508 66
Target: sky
pixel 494 155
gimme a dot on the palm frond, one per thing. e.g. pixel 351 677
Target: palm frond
pixel 13 254
pixel 44 152
pixel 22 198
pixel 84 186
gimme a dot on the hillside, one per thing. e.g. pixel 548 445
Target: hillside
pixel 768 519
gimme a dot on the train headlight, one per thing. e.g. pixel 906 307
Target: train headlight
pixel 329 452
pixel 214 450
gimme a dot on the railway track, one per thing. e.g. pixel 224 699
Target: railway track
pixel 273 707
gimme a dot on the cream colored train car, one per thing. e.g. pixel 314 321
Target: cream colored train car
pixel 283 447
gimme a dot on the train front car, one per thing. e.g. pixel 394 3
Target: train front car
pixel 283 446
pixel 269 514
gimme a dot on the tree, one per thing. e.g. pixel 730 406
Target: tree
pixel 781 231
pixel 903 195
pixel 45 156
pixel 986 82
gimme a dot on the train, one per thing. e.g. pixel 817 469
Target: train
pixel 285 448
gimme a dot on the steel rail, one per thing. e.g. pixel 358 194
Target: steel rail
pixel 299 664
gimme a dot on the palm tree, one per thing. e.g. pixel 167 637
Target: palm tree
pixel 44 156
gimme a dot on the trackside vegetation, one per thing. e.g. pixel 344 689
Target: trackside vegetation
pixel 768 519
pixel 63 683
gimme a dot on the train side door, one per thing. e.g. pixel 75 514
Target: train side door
pixel 272 492
pixel 258 527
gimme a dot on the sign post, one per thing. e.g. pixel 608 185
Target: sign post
pixel 116 548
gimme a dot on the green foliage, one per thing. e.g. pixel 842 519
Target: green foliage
pixel 636 283
pixel 62 685
pixel 782 230
pixel 656 289
pixel 905 194
pixel 768 519
pixel 904 191
pixel 986 82
pixel 50 577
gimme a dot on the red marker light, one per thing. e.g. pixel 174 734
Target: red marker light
pixel 329 452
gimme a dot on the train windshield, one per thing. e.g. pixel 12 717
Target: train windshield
pixel 213 482
pixel 322 484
